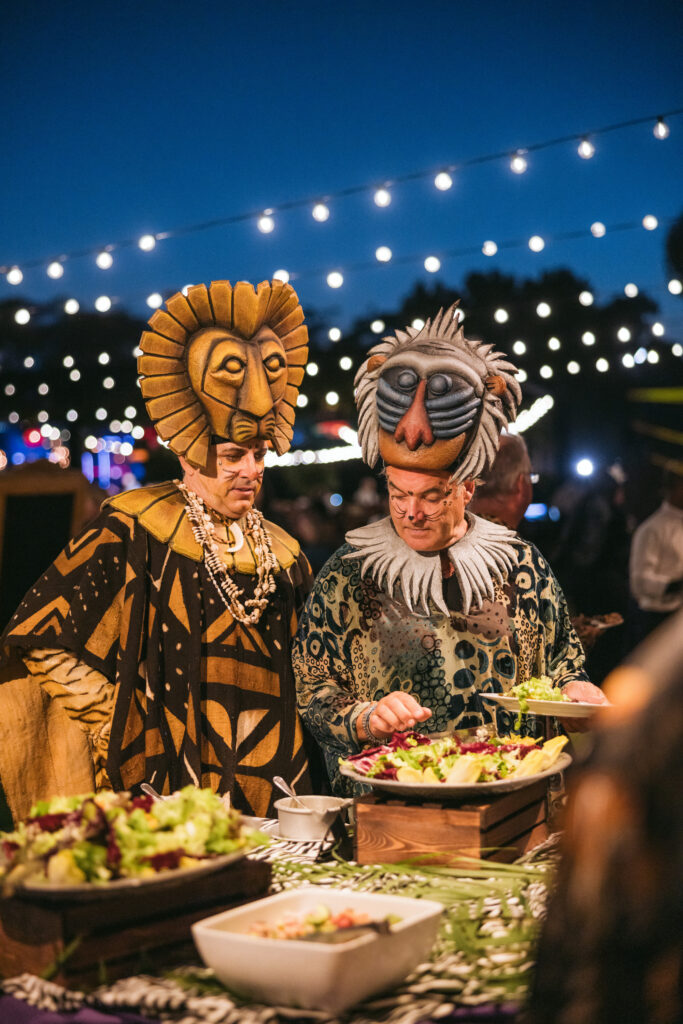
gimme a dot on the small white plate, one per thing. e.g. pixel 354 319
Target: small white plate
pixel 556 708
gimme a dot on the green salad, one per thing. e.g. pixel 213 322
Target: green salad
pixel 100 837
pixel 536 688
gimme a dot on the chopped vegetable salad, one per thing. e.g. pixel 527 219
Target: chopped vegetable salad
pixel 101 837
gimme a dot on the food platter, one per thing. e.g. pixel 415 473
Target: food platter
pixel 92 890
pixel 556 708
pixel 454 791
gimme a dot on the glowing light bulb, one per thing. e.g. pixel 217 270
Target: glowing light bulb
pixel 10 389
pixel 14 276
pixel 546 372
pixel 100 414
pixel 377 326
pixel 584 467
pixel 312 369
pixel 75 375
pixel 104 259
pixel 432 264
pixel 519 348
pixel 661 130
pixel 22 316
pixel 675 286
pixel 521 376
pixel 601 365
pixel 573 367
pixel 346 363
pixel 588 338
pixel 628 361
pixel 586 149
pixel 443 181
pixel 543 309
pixel 489 248
pixel 382 197
pixel 321 212
pixel 55 270
pixel 598 229
pixel 623 334
pixel 13 417
pixel 335 279
pixel 103 358
pixel 108 383
pixel 658 330
pixel 554 344
pixel 72 415
pixel 71 306
pixel 586 298
pixel 536 243
pixel 43 389
pixel 518 163
pixel 281 275
pixel 29 362
pixel 653 356
pixel 383 254
pixel 302 401
pixel 154 300
pixel 103 304
pixel 677 350
pixel 332 398
pixel 138 433
pixel 631 290
pixel 650 222
pixel 640 356
pixel 334 334
pixel 501 316
pixel 417 323
pixel 265 223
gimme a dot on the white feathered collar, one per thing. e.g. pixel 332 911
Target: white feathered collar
pixel 483 555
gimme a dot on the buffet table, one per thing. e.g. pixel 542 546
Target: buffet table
pixel 479 970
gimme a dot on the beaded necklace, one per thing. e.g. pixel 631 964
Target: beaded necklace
pixel 204 528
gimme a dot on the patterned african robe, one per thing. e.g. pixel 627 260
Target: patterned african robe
pixel 195 696
pixel 356 644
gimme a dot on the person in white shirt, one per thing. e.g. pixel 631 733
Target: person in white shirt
pixel 656 563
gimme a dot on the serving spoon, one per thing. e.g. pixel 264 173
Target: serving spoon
pixel 281 784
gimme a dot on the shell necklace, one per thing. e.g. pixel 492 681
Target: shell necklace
pixel 204 528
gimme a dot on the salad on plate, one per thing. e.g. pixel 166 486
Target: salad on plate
pixel 100 838
pixel 415 758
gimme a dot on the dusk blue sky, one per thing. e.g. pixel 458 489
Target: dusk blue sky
pixel 133 117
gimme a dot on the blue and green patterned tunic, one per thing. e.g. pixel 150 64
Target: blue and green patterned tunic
pixel 356 644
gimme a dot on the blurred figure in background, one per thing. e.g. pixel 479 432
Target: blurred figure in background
pixel 611 949
pixel 504 494
pixel 656 563
pixel 592 564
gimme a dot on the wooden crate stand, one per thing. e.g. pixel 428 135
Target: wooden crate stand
pixel 122 932
pixel 390 829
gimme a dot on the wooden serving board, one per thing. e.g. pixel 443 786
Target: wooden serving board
pixel 502 828
pixel 139 930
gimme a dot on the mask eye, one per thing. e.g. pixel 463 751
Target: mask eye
pixel 274 363
pixel 407 380
pixel 439 384
pixel 232 364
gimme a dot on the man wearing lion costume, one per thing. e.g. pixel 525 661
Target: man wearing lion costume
pixel 418 613
pixel 156 647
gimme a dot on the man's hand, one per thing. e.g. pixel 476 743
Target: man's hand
pixel 581 689
pixel 396 712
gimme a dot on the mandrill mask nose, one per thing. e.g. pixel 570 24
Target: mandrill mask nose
pixel 414 427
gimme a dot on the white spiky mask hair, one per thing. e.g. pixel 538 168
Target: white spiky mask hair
pixel 466 393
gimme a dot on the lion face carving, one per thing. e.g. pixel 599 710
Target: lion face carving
pixel 225 361
pixel 240 382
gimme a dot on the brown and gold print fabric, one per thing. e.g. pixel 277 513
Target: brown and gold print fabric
pixel 199 697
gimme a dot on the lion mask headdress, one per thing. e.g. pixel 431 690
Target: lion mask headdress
pixel 431 399
pixel 224 363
